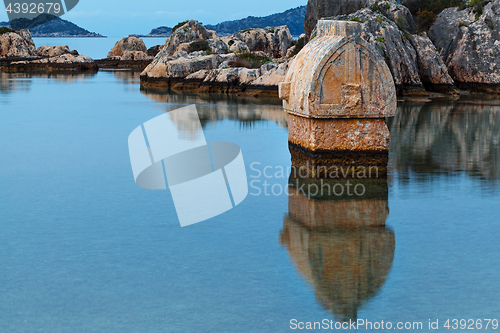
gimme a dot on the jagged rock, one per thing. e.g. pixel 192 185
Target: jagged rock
pixel 128 44
pixel 236 45
pixel 180 68
pixel 290 51
pixel 17 45
pixel 397 13
pixel 432 70
pixel 274 41
pixel 410 65
pixel 232 76
pixel 317 9
pixel 135 55
pixel 65 59
pixel 217 46
pixel 153 50
pixel 62 62
pixel 265 78
pixel 26 35
pixel 271 75
pixel 470 47
pixel 198 76
pixel 189 32
pixel 52 51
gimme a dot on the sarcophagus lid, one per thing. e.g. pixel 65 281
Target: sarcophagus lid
pixel 338 75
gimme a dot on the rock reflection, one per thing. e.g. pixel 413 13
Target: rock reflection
pixel 446 137
pixel 127 76
pixel 340 243
pixel 22 81
pixel 216 107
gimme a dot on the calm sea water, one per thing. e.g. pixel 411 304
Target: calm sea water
pixel 83 249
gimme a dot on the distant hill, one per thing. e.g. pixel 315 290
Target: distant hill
pixel 57 27
pixel 293 18
pixel 158 32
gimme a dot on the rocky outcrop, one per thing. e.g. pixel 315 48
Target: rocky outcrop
pixel 129 52
pixel 181 67
pixel 60 63
pixel 211 73
pixel 413 61
pixel 127 44
pixel 17 45
pixel 191 31
pixel 153 50
pixel 470 46
pixel 318 9
pixel 274 41
pixel 197 59
pixel 431 68
pixel 54 51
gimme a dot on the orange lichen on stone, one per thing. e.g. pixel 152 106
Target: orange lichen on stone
pixel 339 75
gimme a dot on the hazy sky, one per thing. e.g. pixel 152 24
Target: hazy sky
pixel 118 18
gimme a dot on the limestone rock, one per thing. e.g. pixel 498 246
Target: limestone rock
pixel 15 45
pixel 271 75
pixel 26 35
pixel 63 62
pixel 180 68
pixel 64 59
pixel 128 44
pixel 432 70
pixel 189 32
pixel 470 47
pixel 318 9
pixel 412 59
pixel 274 41
pixel 153 50
pixel 52 51
pixel 135 55
pixel 238 46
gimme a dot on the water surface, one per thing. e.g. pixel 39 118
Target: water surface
pixel 83 249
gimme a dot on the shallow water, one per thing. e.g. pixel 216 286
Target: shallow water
pixel 83 249
pixel 96 48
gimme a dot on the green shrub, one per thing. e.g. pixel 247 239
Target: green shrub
pixel 247 30
pixel 354 19
pixel 178 25
pixel 426 11
pixel 462 24
pixel 300 44
pixel 491 26
pixel 400 19
pixel 231 42
pixel 380 19
pixel 380 39
pixel 199 45
pixel 425 19
pixel 4 30
pixel 249 60
pixel 407 36
pixel 271 30
pixel 387 5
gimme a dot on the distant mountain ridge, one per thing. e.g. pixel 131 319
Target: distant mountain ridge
pixel 57 27
pixel 292 18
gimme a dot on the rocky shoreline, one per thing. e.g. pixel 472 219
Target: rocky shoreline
pixel 460 51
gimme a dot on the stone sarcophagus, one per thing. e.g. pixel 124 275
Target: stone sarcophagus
pixel 337 93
